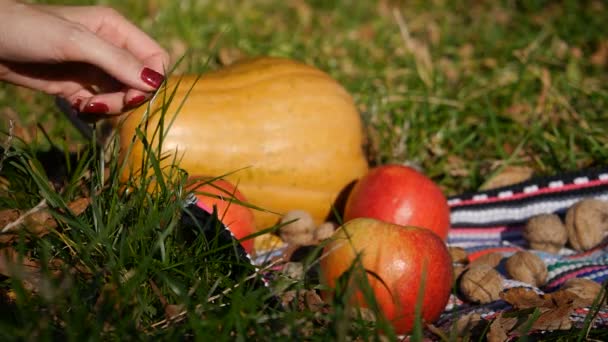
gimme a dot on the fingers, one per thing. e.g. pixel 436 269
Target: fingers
pixel 113 43
pixel 94 92
pixel 113 60
pixel 133 64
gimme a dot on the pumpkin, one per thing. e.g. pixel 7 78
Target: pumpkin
pixel 285 132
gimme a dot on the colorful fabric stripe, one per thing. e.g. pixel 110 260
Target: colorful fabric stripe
pixel 492 221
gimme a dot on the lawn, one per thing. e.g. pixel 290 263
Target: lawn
pixel 462 90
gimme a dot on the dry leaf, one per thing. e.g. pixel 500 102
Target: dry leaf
pixel 228 56
pixel 523 298
pixel 587 291
pixel 600 56
pixel 500 328
pixel 468 323
pixel 313 301
pixel 519 112
pixel 19 130
pixel 457 166
pixel 20 267
pixel 554 319
pixel 555 307
pixel 7 216
pixel 303 11
pixel 508 176
pixel 38 222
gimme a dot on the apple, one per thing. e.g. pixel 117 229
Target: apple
pixel 399 263
pixel 224 196
pixel 401 195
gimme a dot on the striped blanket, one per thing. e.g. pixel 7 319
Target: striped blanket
pixel 492 221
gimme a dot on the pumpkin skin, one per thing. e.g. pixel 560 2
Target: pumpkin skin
pixel 286 132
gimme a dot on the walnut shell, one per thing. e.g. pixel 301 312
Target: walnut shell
pixel 458 270
pixel 293 270
pixel 481 284
pixel 298 228
pixel 546 232
pixel 587 290
pixel 587 223
pixel 324 231
pixel 490 259
pixel 527 267
pixel 458 255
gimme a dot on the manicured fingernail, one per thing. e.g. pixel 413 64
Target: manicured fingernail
pixel 96 108
pixel 152 78
pixel 136 101
pixel 76 105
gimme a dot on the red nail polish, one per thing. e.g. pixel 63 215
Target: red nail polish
pixel 136 101
pixel 96 108
pixel 152 78
pixel 76 105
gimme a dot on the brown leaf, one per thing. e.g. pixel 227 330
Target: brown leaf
pixel 522 298
pixel 20 267
pixel 468 323
pixel 78 206
pixel 39 222
pixel 7 216
pixel 519 112
pixel 173 310
pixel 228 56
pixel 313 301
pixel 20 131
pixel 457 166
pixel 555 307
pixel 508 176
pixel 500 328
pixel 554 319
pixel 600 56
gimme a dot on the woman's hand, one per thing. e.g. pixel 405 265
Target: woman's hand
pixel 91 56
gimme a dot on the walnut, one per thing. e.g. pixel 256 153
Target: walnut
pixel 481 284
pixel 527 267
pixel 298 228
pixel 489 259
pixel 458 270
pixel 546 232
pixel 587 223
pixel 324 231
pixel 587 290
pixel 458 255
pixel 293 270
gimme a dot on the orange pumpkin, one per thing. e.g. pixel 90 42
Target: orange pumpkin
pixel 289 135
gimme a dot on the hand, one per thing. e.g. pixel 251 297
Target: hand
pixel 91 56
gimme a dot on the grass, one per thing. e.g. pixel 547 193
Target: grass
pixel 461 89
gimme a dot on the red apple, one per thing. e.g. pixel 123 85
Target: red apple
pixel 400 195
pixel 226 198
pixel 399 262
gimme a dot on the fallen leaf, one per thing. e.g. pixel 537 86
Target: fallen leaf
pixel 457 166
pixel 508 176
pixel 555 307
pixel 587 291
pixel 469 323
pixel 228 56
pixel 37 222
pixel 522 298
pixel 500 328
pixel 313 301
pixel 7 216
pixel 554 319
pixel 519 112
pixel 600 56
